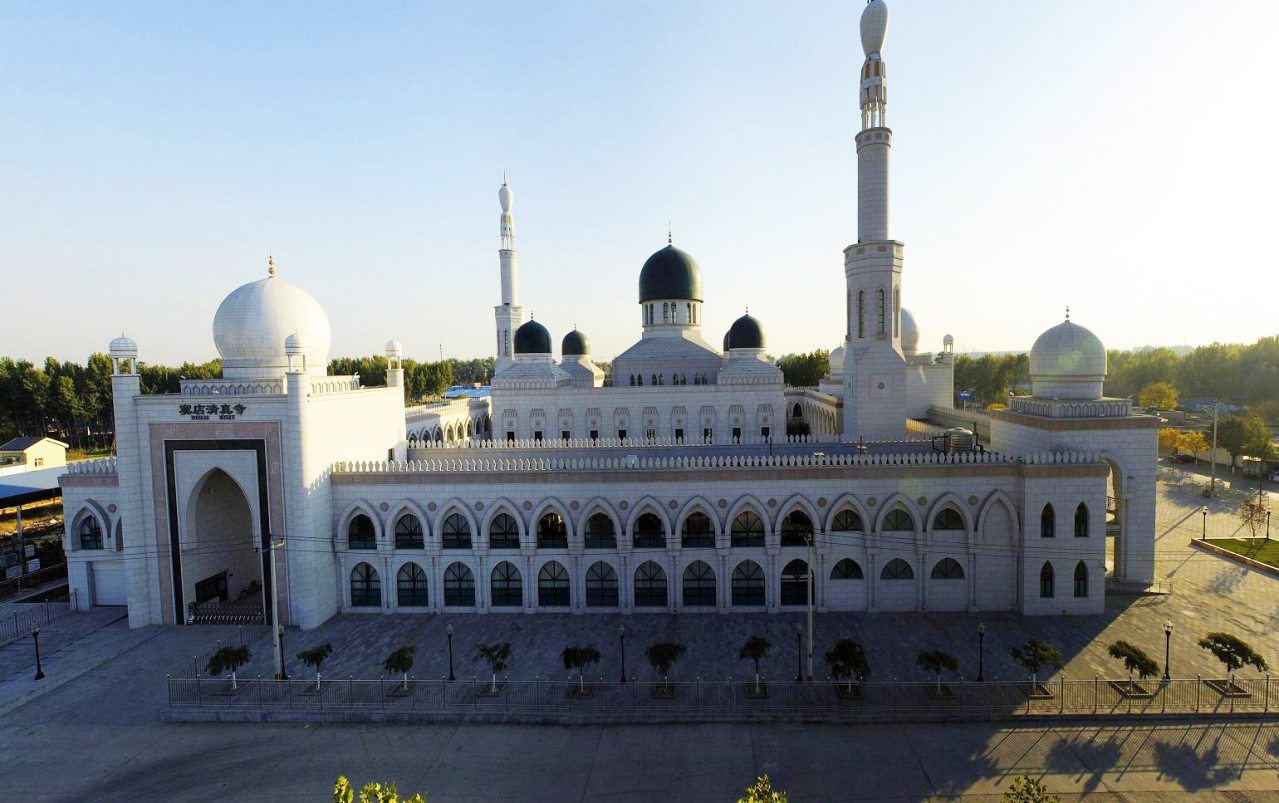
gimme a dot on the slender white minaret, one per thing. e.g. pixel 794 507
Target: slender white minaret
pixel 874 367
pixel 509 314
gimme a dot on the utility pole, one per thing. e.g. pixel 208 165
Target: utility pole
pixel 1212 488
pixel 22 546
pixel 275 607
pixel 810 607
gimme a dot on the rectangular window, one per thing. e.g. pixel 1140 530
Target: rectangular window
pixel 621 434
pixel 564 434
pixel 510 436
pixel 679 433
pixel 650 434
pixel 595 434
pixel 763 432
pixel 707 434
pixel 737 434
pixel 39 461
pixel 537 434
pixel 212 588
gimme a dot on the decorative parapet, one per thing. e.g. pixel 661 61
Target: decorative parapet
pixel 1061 408
pixel 335 384
pixel 644 443
pixel 102 465
pixel 230 387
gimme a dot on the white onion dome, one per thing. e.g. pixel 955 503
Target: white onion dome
pixel 837 360
pixel 504 196
pixel 874 26
pixel 296 344
pixel 251 325
pixel 910 333
pixel 948 340
pixel 1067 362
pixel 394 348
pixel 123 347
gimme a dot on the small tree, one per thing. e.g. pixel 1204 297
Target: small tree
pixel 1194 442
pixel 1158 396
pixel 1252 514
pixel 1169 440
pixel 848 660
pixel 497 655
pixel 344 792
pixel 935 662
pixel 663 655
pixel 1026 789
pixel 228 659
pixel 400 662
pixel 1034 655
pixel 755 649
pixel 1233 652
pixel 1135 660
pixel 1245 435
pixel 316 656
pixel 579 658
pixel 762 792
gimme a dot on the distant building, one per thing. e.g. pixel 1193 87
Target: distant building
pixel 31 453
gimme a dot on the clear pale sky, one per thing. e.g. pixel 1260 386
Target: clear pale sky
pixel 1116 157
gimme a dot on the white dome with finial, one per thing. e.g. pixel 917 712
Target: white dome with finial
pixel 837 360
pixel 123 347
pixel 394 348
pixel 874 26
pixel 1067 362
pixel 252 324
pixel 910 333
pixel 296 344
pixel 504 195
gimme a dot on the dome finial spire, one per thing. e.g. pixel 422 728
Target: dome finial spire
pixel 1067 312
pixel 270 263
pixel 669 239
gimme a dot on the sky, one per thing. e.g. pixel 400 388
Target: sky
pixel 1118 158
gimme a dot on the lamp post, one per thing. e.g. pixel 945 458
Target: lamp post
pixel 1204 536
pixel 799 652
pixel 35 636
pixel 448 631
pixel 621 637
pixel 981 652
pixel 280 638
pixel 1167 646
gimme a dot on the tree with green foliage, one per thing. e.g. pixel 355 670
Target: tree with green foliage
pixel 497 654
pixel 1025 789
pixel 228 659
pixel 663 655
pixel 991 376
pixel 804 370
pixel 1245 435
pixel 344 792
pixel 762 792
pixel 1233 652
pixel 1135 660
pixel 755 649
pixel 400 662
pixel 1158 396
pixel 935 662
pixel 847 659
pixel 314 657
pixel 579 658
pixel 1034 655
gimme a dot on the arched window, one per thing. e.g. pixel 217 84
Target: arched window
pixel 359 534
pixel 459 585
pixel 601 586
pixel 457 532
pixel 861 313
pixel 648 532
pixel 552 533
pixel 898 519
pixel 897 311
pixel 552 586
pixel 639 380
pixel 1046 580
pixel 1081 521
pixel 650 586
pixel 697 532
pixel 408 532
pixel 846 569
pixel 748 584
pixel 632 380
pixel 797 412
pixel 410 586
pixel 600 532
pixel 653 381
pixel 794 583
pixel 847 521
pixel 797 529
pixel 1047 522
pixel 880 308
pixel 1081 579
pixel 897 569
pixel 505 586
pixel 90 533
pixel 504 533
pixel 699 584
pixel 747 530
pixel 366 587
pixel 948 569
pixel 948 519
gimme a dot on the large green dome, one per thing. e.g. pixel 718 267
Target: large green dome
pixel 575 344
pixel 746 333
pixel 532 338
pixel 670 274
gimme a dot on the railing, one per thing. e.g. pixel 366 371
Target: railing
pixel 1122 585
pixel 225 613
pixel 244 636
pixel 19 624
pixel 26 582
pixel 731 699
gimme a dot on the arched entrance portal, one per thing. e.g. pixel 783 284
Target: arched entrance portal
pixel 1115 515
pixel 221 570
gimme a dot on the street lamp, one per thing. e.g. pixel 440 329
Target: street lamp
pixel 621 636
pixel 1204 537
pixel 284 675
pixel 35 636
pixel 799 652
pixel 448 631
pixel 981 651
pixel 1167 646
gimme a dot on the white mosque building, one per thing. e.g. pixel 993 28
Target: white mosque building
pixel 284 490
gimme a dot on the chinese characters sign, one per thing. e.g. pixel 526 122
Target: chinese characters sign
pixel 207 412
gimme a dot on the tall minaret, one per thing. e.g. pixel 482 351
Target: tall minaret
pixel 874 367
pixel 509 314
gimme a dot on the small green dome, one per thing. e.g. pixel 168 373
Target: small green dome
pixel 670 274
pixel 746 333
pixel 726 339
pixel 575 344
pixel 532 338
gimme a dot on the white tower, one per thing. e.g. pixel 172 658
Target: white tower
pixel 874 367
pixel 509 314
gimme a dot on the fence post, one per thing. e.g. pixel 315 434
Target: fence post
pixel 199 694
pixel 698 705
pixel 892 693
pixel 1266 705
pixel 1198 688
pixel 1062 702
pixel 350 691
pixel 259 684
pixel 168 681
pixel 1096 689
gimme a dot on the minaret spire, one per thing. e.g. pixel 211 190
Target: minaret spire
pixel 509 315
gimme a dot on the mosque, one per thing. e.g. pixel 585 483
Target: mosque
pixel 673 485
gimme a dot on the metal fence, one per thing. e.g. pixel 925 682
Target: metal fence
pixel 243 637
pixel 36 579
pixel 35 613
pixel 727 699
